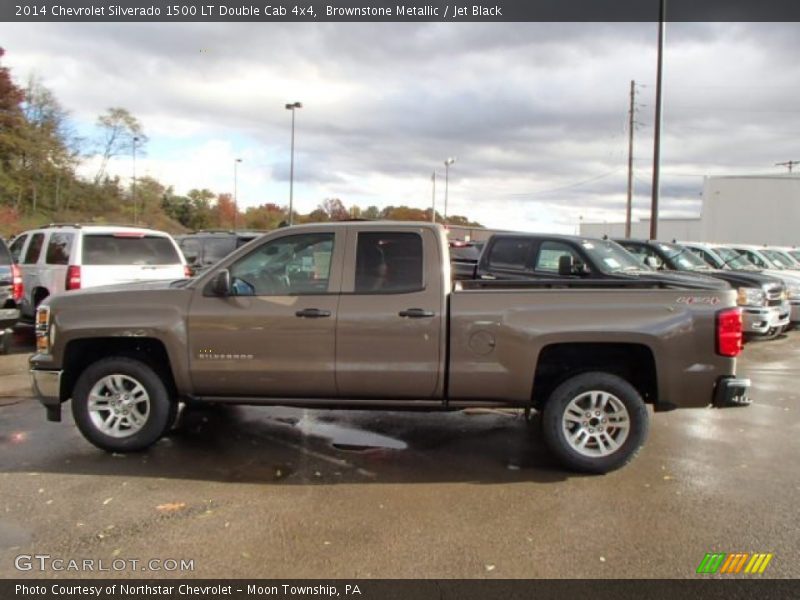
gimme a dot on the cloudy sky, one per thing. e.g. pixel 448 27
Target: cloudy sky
pixel 535 113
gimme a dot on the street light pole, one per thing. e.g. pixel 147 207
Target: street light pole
pixel 433 198
pixel 656 192
pixel 447 164
pixel 235 191
pixel 292 106
pixel 135 209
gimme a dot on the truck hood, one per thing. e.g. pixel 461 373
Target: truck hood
pixel 746 278
pixel 134 293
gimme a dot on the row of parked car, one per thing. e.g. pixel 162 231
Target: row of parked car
pixel 62 257
pixel 767 278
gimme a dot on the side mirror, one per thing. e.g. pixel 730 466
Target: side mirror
pixel 652 262
pixel 565 265
pixel 221 284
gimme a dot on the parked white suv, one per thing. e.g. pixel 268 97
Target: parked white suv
pixel 59 258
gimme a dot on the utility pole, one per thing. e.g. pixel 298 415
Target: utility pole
pixel 433 199
pixel 135 209
pixel 788 164
pixel 657 133
pixel 629 207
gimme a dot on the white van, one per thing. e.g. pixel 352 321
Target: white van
pixel 59 258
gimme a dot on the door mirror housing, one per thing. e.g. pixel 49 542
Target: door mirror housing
pixel 221 284
pixel 565 265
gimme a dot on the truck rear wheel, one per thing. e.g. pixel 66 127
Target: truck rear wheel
pixel 121 405
pixel 595 422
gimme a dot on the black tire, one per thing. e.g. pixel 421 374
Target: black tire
pixel 160 416
pixel 573 388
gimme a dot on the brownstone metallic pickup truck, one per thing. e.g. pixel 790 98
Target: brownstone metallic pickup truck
pixel 364 315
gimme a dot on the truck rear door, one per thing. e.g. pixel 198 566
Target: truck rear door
pixel 389 334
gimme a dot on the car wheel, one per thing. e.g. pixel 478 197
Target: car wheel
pixel 121 405
pixel 595 422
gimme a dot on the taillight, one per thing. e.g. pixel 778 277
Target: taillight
pixel 729 332
pixel 17 289
pixel 73 277
pixel 187 272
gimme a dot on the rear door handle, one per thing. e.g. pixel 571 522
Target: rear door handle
pixel 312 313
pixel 416 313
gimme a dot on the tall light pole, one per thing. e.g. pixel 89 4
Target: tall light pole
pixel 447 164
pixel 135 209
pixel 236 162
pixel 657 133
pixel 292 107
pixel 433 197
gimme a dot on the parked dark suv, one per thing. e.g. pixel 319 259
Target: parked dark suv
pixel 10 295
pixel 205 248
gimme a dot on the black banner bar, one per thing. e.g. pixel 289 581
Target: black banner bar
pixel 430 589
pixel 409 10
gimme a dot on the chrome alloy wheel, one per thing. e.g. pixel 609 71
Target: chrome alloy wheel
pixel 119 406
pixel 595 423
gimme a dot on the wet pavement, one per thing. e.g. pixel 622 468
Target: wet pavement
pixel 279 492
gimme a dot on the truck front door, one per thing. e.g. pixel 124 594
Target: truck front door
pixel 389 339
pixel 275 335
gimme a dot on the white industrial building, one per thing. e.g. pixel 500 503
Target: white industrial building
pixel 748 209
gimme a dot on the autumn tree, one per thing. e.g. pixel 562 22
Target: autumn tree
pixel 119 130
pixel 335 209
pixel 225 211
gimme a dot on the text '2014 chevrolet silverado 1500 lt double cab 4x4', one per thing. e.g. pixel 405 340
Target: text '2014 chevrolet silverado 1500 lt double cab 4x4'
pixel 365 315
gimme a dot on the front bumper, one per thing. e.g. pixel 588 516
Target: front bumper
pixel 732 391
pixel 761 320
pixel 47 389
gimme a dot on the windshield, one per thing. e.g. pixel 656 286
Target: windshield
pixel 610 257
pixel 779 260
pixel 795 254
pixel 734 260
pixel 684 259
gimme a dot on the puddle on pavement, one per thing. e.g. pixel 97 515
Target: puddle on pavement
pixel 347 438
pixel 12 536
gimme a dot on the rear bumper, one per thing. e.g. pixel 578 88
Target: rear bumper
pixel 761 320
pixel 8 318
pixel 47 389
pixel 732 391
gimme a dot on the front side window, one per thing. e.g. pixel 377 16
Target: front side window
pixel 510 253
pixel 389 263
pixel 58 249
pixel 34 249
pixel 289 266
pixel 550 253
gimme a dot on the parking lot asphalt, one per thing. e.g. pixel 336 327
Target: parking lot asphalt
pixel 279 492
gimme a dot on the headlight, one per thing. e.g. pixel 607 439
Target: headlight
pixel 793 291
pixel 43 329
pixel 751 297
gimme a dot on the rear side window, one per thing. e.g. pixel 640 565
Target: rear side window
pixel 16 247
pixel 5 255
pixel 191 250
pixel 126 249
pixel 34 249
pixel 388 263
pixel 58 249
pixel 218 248
pixel 511 253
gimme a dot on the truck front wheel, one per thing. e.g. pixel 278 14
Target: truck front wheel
pixel 121 405
pixel 595 422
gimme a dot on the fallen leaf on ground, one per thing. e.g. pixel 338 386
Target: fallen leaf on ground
pixel 171 506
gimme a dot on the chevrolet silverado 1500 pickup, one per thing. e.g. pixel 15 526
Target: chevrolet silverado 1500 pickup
pixel 365 315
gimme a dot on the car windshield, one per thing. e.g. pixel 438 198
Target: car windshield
pixel 684 258
pixel 734 260
pixel 779 260
pixel 610 257
pixel 465 253
pixel 795 254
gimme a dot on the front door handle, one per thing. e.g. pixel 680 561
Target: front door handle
pixel 416 313
pixel 312 313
